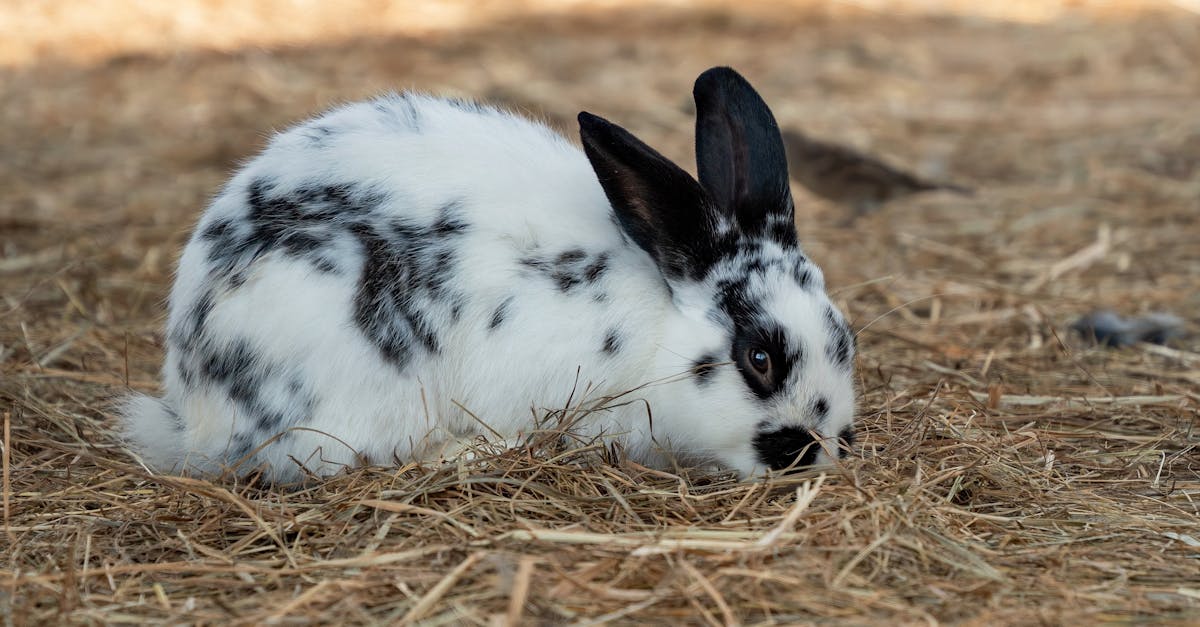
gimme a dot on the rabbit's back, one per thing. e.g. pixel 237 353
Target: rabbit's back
pixel 383 277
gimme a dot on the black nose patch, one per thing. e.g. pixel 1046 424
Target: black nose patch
pixel 789 446
pixel 845 441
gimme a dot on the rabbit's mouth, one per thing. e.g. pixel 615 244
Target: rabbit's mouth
pixel 795 448
pixel 788 447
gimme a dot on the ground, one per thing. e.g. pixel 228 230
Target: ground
pixel 1005 471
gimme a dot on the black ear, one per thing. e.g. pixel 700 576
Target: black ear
pixel 659 206
pixel 740 156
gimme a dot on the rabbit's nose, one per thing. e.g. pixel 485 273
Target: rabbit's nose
pixel 845 441
pixel 789 447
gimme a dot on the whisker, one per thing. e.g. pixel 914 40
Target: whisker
pixel 854 286
pixel 894 310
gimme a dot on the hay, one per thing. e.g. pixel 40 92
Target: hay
pixel 1005 472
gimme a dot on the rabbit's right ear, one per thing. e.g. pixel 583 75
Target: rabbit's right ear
pixel 658 205
pixel 740 155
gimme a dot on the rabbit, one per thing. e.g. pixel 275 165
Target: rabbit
pixel 398 275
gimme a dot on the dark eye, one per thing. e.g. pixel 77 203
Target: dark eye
pixel 759 359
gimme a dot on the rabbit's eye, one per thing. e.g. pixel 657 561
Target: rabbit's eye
pixel 759 359
pixel 763 359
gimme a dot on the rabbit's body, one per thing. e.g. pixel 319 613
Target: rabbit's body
pixel 401 274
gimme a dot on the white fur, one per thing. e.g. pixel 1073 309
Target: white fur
pixel 522 190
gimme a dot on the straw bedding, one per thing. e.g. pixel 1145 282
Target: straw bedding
pixel 1005 471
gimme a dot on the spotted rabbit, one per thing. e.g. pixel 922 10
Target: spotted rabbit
pixel 386 277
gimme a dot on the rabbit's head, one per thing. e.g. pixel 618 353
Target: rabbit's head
pixel 769 356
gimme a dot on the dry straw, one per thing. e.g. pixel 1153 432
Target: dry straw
pixel 1005 473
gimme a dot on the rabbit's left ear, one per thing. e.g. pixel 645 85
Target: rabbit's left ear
pixel 658 205
pixel 740 156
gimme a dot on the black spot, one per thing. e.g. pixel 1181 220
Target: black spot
pixel 218 230
pixel 845 440
pixel 407 284
pixel 300 243
pixel 187 373
pixel 450 220
pixel 784 233
pixel 198 314
pixel 570 256
pixel 568 269
pixel 789 447
pixel 243 374
pixel 268 421
pixel 230 365
pixel 756 259
pixel 733 299
pixel 186 337
pixel 752 248
pixel 820 408
pixel 751 329
pixel 533 263
pixel 469 106
pixel 438 274
pixel 565 281
pixel 612 342
pixel 768 337
pixel 378 303
pixel 736 294
pixel 567 273
pixel 500 314
pixel 704 368
pixel 301 223
pixel 596 269
pixel 840 348
pixel 802 275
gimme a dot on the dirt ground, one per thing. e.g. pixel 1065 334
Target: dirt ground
pixel 1005 471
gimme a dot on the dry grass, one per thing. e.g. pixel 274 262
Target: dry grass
pixel 1005 472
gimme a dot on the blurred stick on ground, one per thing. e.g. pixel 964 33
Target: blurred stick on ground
pixel 1006 471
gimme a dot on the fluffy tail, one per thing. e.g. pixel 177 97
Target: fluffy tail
pixel 153 432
